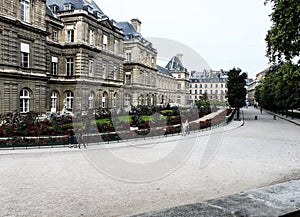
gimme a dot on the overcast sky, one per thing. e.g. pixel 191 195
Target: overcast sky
pixel 226 33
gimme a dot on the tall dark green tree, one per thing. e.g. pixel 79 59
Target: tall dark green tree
pixel 283 39
pixel 236 93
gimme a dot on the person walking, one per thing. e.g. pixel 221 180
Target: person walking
pixel 71 137
pixel 187 126
pixel 183 129
pixel 260 109
pixel 81 139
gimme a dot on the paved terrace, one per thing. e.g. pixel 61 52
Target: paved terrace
pixel 222 162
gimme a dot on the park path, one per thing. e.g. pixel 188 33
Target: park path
pixel 65 182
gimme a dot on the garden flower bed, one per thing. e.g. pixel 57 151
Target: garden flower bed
pixel 18 130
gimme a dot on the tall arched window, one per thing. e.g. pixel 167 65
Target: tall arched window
pixel 114 100
pixel 127 99
pixel 69 101
pixel 104 99
pixel 91 100
pixel 24 101
pixel 53 105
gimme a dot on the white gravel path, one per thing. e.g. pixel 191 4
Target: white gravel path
pixel 63 182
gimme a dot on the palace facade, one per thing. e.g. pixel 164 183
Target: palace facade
pixel 67 55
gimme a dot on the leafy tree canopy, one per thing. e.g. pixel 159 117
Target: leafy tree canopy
pixel 236 83
pixel 283 39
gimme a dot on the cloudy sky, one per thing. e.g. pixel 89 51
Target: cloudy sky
pixel 226 33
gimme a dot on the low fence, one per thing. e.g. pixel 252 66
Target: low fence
pixel 99 138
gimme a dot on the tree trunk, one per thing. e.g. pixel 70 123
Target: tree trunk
pixel 237 113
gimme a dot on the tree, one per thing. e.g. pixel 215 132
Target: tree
pixel 236 93
pixel 280 90
pixel 283 40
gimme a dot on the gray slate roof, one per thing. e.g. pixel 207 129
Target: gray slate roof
pixel 175 64
pixel 77 4
pixel 163 70
pixel 130 32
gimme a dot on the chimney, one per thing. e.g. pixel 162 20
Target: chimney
pixel 136 24
pixel 179 55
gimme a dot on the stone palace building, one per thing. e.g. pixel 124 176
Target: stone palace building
pixel 67 55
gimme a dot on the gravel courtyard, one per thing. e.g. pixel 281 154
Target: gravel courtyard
pixel 139 177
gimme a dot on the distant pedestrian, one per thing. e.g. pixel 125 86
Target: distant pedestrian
pixel 81 139
pixel 187 126
pixel 71 137
pixel 183 129
pixel 260 109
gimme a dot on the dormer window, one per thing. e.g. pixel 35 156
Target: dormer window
pixel 68 6
pixel 97 14
pixel 90 9
pixel 54 8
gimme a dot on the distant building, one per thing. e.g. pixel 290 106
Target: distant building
pixel 252 85
pixel 213 83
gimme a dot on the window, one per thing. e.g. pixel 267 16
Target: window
pixel 128 56
pixel 127 100
pixel 25 10
pixel 179 86
pixel 24 57
pixel 54 35
pixel 90 9
pixel 54 8
pixel 196 92
pixel 104 42
pixel 91 37
pixel 114 100
pixel 104 70
pixel 115 73
pixel 216 85
pixel 53 104
pixel 24 101
pixel 200 91
pixel 178 99
pixel 69 100
pixel 54 66
pixel 104 100
pixel 91 100
pixel 127 78
pixel 69 34
pixel 190 91
pixel 69 66
pixel 90 67
pixel 116 47
pixel 179 75
pixel 68 6
pixel 196 86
